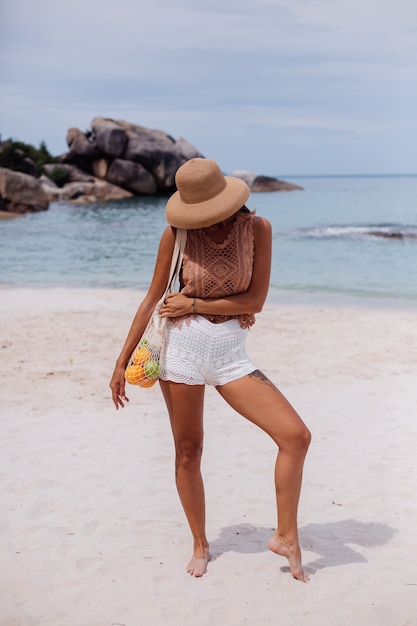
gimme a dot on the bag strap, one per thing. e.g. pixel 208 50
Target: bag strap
pixel 177 255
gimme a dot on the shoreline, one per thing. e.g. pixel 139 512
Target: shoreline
pixel 276 297
pixel 92 529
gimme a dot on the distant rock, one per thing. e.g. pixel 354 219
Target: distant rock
pixel 21 193
pixel 391 235
pixel 256 182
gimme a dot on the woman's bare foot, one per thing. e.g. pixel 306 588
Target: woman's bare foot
pixel 198 564
pixel 292 552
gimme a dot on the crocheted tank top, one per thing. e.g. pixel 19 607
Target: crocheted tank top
pixel 218 270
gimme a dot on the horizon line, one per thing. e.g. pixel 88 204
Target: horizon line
pixel 409 174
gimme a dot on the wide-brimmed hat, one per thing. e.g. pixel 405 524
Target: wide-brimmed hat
pixel 204 195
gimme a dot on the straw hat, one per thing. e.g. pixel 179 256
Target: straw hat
pixel 205 196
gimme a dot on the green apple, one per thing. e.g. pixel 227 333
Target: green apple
pixel 151 369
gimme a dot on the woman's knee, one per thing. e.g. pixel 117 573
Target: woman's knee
pixel 188 454
pixel 298 441
pixel 302 438
pixel 305 438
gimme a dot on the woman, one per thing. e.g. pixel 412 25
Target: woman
pixel 224 282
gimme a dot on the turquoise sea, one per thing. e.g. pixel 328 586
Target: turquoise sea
pixel 342 240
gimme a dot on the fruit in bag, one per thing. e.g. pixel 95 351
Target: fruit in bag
pixel 151 369
pixel 142 355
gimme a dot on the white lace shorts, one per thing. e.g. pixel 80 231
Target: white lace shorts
pixel 199 352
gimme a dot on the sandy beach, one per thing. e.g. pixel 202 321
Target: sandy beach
pixel 92 531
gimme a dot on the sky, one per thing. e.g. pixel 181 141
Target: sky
pixel 275 87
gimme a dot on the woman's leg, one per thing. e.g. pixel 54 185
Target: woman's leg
pixel 257 399
pixel 185 408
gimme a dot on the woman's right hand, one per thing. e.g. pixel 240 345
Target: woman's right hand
pixel 117 386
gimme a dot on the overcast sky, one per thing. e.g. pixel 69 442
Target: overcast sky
pixel 279 87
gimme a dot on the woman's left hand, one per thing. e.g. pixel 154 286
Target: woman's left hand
pixel 175 305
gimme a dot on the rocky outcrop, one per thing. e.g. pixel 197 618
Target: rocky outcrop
pixel 256 182
pixel 138 159
pixel 111 161
pixel 21 193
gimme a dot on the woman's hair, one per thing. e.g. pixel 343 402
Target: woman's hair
pixel 244 209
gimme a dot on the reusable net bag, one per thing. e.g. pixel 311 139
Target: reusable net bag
pixel 144 366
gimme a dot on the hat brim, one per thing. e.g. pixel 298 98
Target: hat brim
pixel 202 214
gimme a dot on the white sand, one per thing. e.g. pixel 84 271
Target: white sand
pixel 92 532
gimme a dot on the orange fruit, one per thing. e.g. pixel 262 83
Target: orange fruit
pixel 141 355
pixel 147 383
pixel 134 374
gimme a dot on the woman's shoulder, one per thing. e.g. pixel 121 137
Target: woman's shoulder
pixel 261 225
pixel 257 220
pixel 168 234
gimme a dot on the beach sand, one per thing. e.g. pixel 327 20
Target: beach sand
pixel 92 531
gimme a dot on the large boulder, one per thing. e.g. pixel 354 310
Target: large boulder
pixel 132 176
pixel 143 142
pixel 21 193
pixel 109 136
pixel 186 150
pixel 155 150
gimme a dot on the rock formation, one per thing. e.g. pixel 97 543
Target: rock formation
pixel 138 159
pixel 112 161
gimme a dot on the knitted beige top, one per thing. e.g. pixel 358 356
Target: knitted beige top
pixel 218 270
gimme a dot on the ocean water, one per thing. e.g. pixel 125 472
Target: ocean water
pixel 341 240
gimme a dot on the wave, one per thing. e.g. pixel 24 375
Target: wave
pixel 363 231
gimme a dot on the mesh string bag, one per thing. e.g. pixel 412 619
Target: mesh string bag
pixel 144 366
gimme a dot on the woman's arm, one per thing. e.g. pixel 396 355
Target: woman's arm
pixel 251 301
pixel 143 314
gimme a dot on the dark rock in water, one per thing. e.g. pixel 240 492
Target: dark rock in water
pixel 266 183
pixel 263 183
pixel 21 193
pixel 391 235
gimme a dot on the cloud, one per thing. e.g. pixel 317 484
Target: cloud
pixel 228 75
